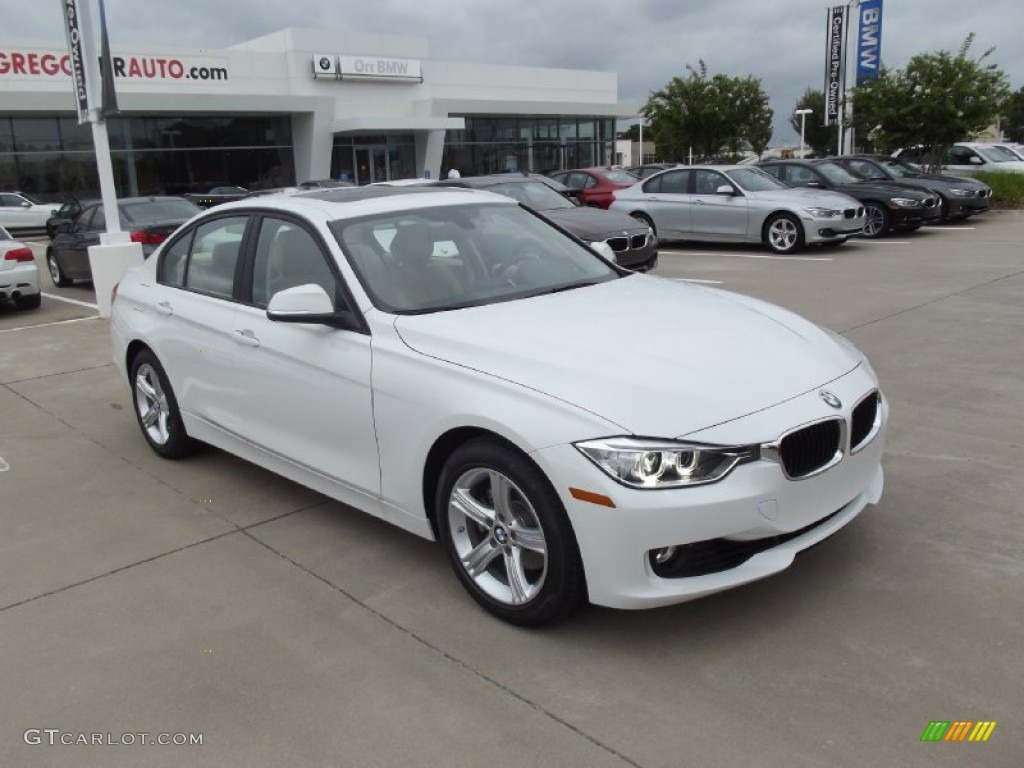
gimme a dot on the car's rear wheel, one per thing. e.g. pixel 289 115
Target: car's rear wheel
pixel 156 408
pixel 507 535
pixel 29 302
pixel 56 273
pixel 783 234
pixel 876 219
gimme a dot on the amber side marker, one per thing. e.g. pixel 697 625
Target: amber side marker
pixel 594 498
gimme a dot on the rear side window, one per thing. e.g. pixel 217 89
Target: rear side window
pixel 214 256
pixel 171 270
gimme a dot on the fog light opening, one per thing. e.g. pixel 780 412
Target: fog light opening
pixel 663 555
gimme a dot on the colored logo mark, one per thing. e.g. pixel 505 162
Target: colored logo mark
pixel 958 730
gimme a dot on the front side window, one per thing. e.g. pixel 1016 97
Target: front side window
pixel 287 256
pixel 449 257
pixel 708 182
pixel 214 256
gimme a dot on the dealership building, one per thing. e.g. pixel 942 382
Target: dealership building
pixel 295 105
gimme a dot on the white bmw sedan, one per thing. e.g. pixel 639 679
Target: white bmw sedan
pixel 457 365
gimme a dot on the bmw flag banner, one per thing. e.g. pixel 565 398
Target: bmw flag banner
pixel 835 54
pixel 869 40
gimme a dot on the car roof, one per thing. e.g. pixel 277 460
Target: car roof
pixel 349 202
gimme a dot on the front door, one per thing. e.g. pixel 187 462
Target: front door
pixel 371 164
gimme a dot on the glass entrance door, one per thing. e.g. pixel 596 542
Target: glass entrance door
pixel 371 164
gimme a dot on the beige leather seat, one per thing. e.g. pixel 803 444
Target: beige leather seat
pixel 424 280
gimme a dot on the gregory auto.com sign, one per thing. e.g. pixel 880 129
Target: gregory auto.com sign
pixel 48 64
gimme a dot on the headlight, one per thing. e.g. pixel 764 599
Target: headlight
pixel 649 463
pixel 906 202
pixel 961 192
pixel 824 213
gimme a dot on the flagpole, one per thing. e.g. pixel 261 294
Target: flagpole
pixel 100 137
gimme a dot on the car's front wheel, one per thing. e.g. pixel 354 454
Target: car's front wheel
pixel 507 535
pixel 876 219
pixel 783 234
pixel 56 273
pixel 156 408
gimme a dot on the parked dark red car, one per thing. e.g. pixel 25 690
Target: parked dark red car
pixel 597 185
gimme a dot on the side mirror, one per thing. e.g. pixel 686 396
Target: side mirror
pixel 726 189
pixel 26 204
pixel 306 304
pixel 975 160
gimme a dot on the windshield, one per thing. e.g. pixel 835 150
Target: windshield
pixel 152 211
pixel 898 169
pixel 448 257
pixel 620 177
pixel 1005 153
pixel 755 180
pixel 538 196
pixel 836 173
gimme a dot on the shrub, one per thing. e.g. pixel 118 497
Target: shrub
pixel 1007 188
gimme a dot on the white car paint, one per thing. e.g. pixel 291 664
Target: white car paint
pixel 19 279
pixel 18 212
pixel 355 414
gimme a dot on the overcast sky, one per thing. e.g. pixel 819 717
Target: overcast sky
pixel 645 42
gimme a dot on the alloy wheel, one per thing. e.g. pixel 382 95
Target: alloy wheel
pixel 783 235
pixel 151 404
pixel 497 536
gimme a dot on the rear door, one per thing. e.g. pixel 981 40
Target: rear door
pixel 668 201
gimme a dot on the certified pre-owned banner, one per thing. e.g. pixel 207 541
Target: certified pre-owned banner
pixel 869 39
pixel 76 57
pixel 835 52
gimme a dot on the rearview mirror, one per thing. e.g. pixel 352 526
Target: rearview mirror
pixel 306 304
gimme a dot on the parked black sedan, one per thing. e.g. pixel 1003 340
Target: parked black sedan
pixel 961 196
pixel 148 220
pixel 634 243
pixel 887 206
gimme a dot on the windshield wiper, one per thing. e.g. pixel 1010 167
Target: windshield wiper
pixel 569 287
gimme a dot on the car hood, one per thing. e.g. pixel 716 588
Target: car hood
pixel 889 189
pixel 595 223
pixel 654 356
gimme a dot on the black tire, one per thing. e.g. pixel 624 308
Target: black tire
pixel 783 233
pixel 56 273
pixel 29 302
pixel 177 443
pixel 876 219
pixel 551 586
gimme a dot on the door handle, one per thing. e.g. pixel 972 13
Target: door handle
pixel 246 338
pixel 698 202
pixel 164 308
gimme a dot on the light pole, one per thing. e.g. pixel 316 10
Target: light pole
pixel 803 116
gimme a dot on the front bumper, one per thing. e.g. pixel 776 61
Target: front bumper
pixel 21 280
pixel 754 504
pixel 822 230
pixel 634 251
pixel 908 218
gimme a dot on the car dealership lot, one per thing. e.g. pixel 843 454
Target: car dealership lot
pixel 208 596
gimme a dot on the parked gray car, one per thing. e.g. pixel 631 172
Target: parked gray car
pixel 737 203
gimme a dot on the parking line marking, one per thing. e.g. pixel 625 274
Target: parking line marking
pixel 55 322
pixel 950 229
pixel 4 466
pixel 891 242
pixel 70 301
pixel 754 256
pixel 695 280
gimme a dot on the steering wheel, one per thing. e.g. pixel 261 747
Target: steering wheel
pixel 502 269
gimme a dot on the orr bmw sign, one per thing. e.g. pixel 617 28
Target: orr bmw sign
pixel 366 68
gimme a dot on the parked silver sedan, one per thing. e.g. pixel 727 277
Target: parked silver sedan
pixel 737 203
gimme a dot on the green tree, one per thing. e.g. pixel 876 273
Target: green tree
pixel 708 115
pixel 940 98
pixel 818 137
pixel 631 134
pixel 1013 116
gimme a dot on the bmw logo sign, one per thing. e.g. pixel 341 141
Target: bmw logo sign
pixel 830 399
pixel 325 63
